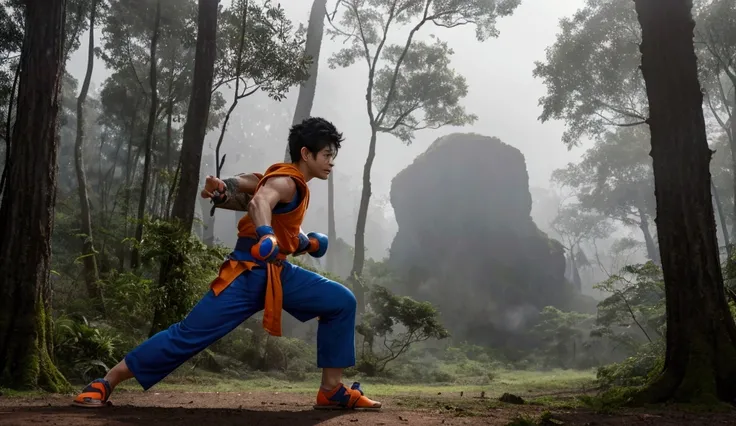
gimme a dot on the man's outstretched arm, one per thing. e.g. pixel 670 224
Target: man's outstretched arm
pixel 235 192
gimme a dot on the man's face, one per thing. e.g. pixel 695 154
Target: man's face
pixel 320 164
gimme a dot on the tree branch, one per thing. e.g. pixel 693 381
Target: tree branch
pixel 627 112
pixel 392 87
pixel 453 24
pixel 130 62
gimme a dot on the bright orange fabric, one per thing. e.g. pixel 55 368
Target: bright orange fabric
pixel 286 227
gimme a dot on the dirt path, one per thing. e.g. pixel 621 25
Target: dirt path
pixel 268 408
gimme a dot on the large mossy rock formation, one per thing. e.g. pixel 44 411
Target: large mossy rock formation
pixel 467 243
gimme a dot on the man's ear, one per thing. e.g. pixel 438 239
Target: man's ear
pixel 304 152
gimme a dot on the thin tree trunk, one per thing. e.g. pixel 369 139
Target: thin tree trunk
pixel 169 119
pixel 365 198
pixel 155 190
pixel 27 210
pixel 8 128
pixel 173 189
pixel 129 168
pixel 575 272
pixel 236 95
pixel 722 220
pixel 191 153
pixel 135 257
pixel 652 249
pixel 91 277
pixel 732 140
pixel 700 359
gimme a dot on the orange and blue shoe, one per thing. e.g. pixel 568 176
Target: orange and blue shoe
pixel 342 398
pixel 94 395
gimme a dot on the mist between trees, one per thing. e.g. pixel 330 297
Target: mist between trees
pixel 623 265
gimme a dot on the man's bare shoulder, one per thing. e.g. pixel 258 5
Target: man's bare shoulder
pixel 283 185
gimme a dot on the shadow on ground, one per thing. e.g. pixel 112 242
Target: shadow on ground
pixel 159 416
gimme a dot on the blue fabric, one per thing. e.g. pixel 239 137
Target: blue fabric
pixel 322 241
pixel 307 295
pixel 282 208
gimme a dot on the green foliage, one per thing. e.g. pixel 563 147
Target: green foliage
pixel 575 225
pixel 633 318
pixel 565 337
pixel 635 370
pixel 84 351
pixel 397 323
pixel 716 36
pixel 591 71
pixel 129 302
pixel 249 347
pixel 426 93
pixel 272 57
pixel 614 178
pixel 126 35
pixel 11 39
pixel 190 277
pixel 411 85
pixel 128 28
pixel 635 309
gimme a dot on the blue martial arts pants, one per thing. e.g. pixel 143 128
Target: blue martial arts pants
pixel 306 295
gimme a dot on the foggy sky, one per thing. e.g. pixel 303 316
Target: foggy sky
pixel 502 92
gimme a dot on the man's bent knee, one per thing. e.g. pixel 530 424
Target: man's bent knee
pixel 346 300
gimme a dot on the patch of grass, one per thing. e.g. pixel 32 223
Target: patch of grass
pixel 522 420
pixel 558 402
pixel 10 393
pixel 611 400
pixel 545 419
pixel 518 382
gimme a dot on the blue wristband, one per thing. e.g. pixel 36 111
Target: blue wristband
pixel 264 230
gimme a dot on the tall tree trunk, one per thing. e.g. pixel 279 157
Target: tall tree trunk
pixel 365 198
pixel 304 103
pixel 135 256
pixel 191 153
pixel 732 140
pixel 195 127
pixel 91 277
pixel 700 359
pixel 27 211
pixel 722 220
pixel 331 231
pixel 169 136
pixel 129 171
pixel 577 282
pixel 172 190
pixel 312 48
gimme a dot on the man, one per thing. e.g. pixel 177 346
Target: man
pixel 256 277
